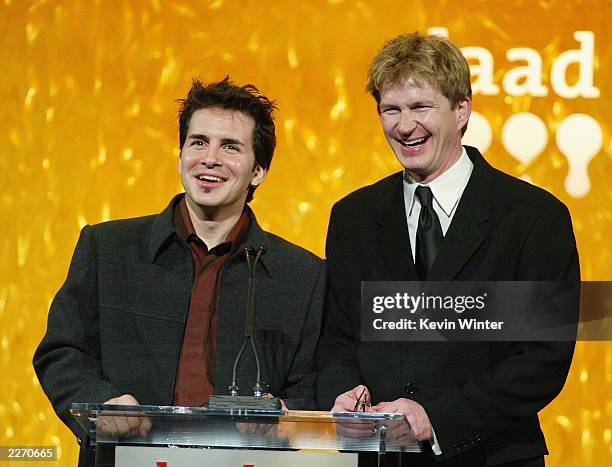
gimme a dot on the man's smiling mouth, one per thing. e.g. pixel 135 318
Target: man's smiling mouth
pixel 210 178
pixel 413 142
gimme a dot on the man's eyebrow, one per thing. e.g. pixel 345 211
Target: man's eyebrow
pixel 425 101
pixel 197 136
pixel 234 141
pixel 414 103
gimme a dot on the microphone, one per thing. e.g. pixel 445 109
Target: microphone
pixel 256 401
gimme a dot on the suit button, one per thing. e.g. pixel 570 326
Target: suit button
pixel 410 389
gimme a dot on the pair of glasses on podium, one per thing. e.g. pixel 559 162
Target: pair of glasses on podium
pixel 363 402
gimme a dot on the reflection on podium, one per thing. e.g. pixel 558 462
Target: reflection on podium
pixel 196 435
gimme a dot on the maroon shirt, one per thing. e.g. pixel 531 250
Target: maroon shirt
pixel 195 380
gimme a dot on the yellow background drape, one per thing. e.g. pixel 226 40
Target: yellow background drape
pixel 88 133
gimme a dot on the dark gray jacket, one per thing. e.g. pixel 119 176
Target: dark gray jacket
pixel 116 326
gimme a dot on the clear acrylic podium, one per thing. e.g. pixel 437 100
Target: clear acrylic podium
pixel 199 428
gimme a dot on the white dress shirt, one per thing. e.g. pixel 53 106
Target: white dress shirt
pixel 447 190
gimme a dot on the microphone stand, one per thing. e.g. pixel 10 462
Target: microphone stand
pixel 256 401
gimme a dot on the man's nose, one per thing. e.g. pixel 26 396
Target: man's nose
pixel 407 123
pixel 212 157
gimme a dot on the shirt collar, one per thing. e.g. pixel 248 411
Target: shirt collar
pixel 186 230
pixel 163 232
pixel 446 188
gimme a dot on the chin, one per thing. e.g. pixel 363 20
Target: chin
pixel 412 164
pixel 203 201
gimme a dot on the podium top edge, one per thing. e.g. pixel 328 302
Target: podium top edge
pixel 90 409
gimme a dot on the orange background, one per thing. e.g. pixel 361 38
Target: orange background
pixel 88 133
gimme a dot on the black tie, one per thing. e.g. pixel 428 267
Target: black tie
pixel 429 233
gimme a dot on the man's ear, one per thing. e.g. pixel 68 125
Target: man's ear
pixel 464 109
pixel 259 173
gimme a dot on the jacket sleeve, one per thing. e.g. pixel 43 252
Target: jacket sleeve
pixel 337 358
pixel 67 361
pixel 299 391
pixel 532 373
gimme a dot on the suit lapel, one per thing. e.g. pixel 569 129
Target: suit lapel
pixel 464 235
pixel 395 242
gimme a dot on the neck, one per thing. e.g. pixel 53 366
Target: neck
pixel 425 178
pixel 212 225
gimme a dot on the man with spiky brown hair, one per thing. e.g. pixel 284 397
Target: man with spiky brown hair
pixel 153 309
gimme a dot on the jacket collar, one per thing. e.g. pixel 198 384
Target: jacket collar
pixel 391 219
pixel 478 190
pixel 256 238
pixel 465 234
pixel 163 232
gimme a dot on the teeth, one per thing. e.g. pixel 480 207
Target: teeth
pixel 415 142
pixel 209 178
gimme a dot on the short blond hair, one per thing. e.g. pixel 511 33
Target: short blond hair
pixel 432 59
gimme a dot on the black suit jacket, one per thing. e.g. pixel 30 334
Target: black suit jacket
pixel 478 395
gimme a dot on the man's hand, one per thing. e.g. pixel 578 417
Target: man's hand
pixel 282 402
pixel 261 428
pixel 414 413
pixel 346 402
pixel 126 399
pixel 118 426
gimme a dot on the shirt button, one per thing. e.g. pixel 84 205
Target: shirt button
pixel 410 389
